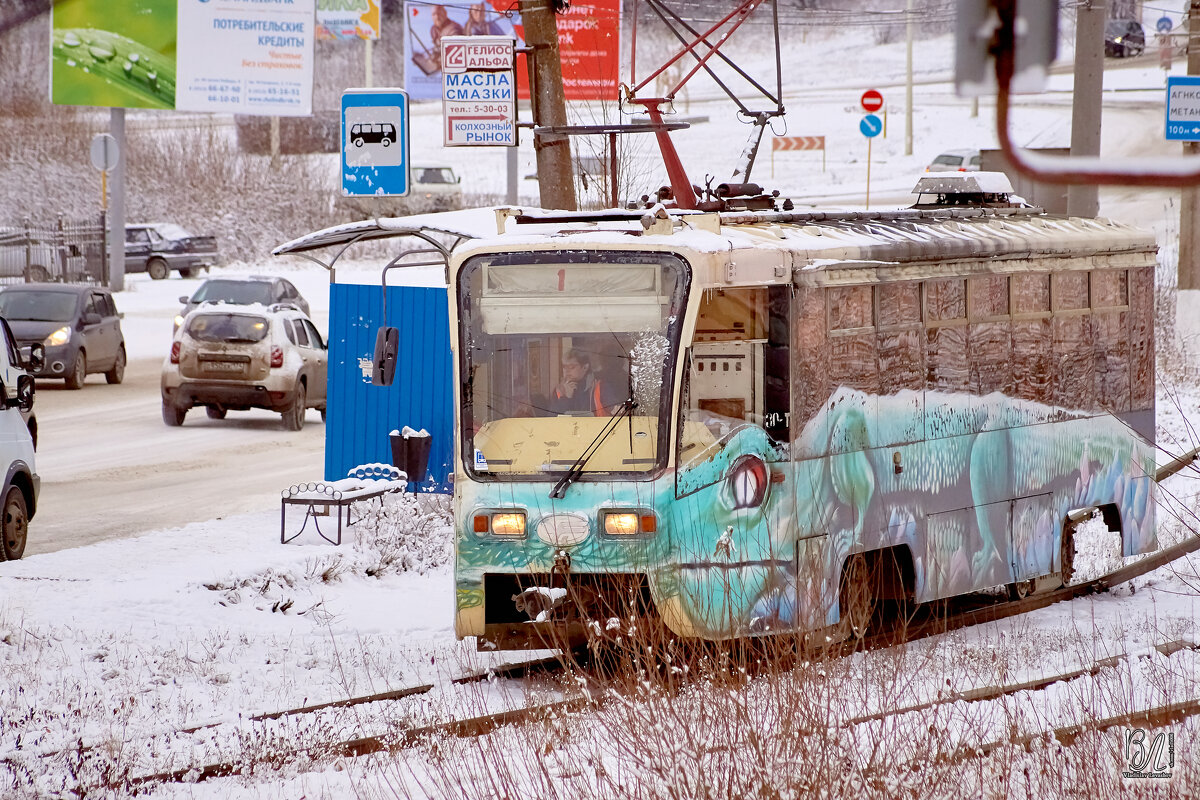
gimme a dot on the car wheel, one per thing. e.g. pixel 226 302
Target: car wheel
pixel 293 417
pixel 117 373
pixel 172 415
pixel 358 142
pixel 187 272
pixel 386 141
pixel 38 274
pixel 158 269
pixel 215 412
pixel 15 525
pixel 78 373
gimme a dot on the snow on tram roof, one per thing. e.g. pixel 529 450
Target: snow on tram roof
pixel 814 239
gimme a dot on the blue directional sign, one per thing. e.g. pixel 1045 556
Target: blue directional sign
pixel 1183 108
pixel 871 126
pixel 1164 25
pixel 375 143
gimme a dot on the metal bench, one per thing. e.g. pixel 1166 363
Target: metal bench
pixel 364 482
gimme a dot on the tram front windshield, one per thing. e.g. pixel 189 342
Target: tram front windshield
pixel 566 362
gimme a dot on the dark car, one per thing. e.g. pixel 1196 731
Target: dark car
pixel 159 247
pixel 266 290
pixel 1124 37
pixel 79 326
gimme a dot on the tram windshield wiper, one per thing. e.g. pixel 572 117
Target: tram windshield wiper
pixel 560 488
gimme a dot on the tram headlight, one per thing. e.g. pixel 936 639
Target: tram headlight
pixel 748 482
pixel 629 523
pixel 508 523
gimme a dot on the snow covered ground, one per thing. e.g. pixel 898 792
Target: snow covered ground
pixel 108 652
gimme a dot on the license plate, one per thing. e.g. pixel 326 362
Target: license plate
pixel 221 366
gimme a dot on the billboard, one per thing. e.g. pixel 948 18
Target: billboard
pixel 348 19
pixel 236 56
pixel 589 36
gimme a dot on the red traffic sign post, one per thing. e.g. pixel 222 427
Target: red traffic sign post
pixel 871 101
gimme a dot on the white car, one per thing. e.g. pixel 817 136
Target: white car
pixel 956 161
pixel 21 481
pixel 234 357
pixel 435 188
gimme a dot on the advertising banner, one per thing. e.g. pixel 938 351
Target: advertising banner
pixel 235 56
pixel 348 19
pixel 589 35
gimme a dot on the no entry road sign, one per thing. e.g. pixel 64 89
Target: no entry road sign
pixel 871 101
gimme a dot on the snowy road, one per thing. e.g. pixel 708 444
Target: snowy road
pixel 110 468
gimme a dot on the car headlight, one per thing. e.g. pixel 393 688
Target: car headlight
pixel 178 321
pixel 59 337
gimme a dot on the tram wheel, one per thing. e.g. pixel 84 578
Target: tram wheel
pixel 1020 590
pixel 857 596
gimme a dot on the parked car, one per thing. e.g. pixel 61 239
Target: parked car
pixel 435 188
pixel 1124 37
pixel 159 247
pixel 967 160
pixel 265 290
pixel 35 256
pixel 78 325
pixel 231 358
pixel 19 494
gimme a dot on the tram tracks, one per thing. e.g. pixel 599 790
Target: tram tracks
pixel 486 723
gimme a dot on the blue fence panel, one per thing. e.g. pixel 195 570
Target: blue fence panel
pixel 360 416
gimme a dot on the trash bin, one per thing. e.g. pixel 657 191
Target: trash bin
pixel 410 452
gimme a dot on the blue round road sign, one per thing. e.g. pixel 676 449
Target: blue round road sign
pixel 1163 25
pixel 871 126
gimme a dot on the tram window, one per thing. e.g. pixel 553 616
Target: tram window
pixel 738 372
pixel 1074 364
pixel 988 296
pixel 850 307
pixel 1032 359
pixel 945 300
pixel 853 362
pixel 989 352
pixel 901 361
pixel 1111 336
pixel 946 359
pixel 810 378
pixel 1110 288
pixel 1141 340
pixel 1031 293
pixel 1069 290
pixel 899 304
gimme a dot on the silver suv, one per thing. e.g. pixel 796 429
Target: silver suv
pixel 232 357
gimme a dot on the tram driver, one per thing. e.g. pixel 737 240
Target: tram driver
pixel 581 388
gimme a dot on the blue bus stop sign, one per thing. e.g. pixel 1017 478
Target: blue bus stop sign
pixel 375 143
pixel 1163 25
pixel 871 126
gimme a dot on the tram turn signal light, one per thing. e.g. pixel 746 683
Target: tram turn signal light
pixel 629 523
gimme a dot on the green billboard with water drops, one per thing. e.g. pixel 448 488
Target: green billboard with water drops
pixel 118 53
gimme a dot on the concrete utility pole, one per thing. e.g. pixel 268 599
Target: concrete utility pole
pixel 116 207
pixel 555 178
pixel 908 81
pixel 1084 200
pixel 1189 198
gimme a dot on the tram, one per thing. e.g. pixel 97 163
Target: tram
pixel 801 414
pixel 753 422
